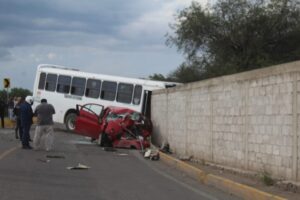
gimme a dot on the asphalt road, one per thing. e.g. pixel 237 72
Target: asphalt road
pixel 120 175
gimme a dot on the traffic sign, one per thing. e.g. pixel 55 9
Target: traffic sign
pixel 6 83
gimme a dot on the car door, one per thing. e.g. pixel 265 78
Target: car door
pixel 88 121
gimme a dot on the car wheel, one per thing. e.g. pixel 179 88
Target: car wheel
pixel 70 122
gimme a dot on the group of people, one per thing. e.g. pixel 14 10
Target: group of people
pixel 23 114
pixel 9 106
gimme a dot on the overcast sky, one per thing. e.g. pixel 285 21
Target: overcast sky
pixel 116 37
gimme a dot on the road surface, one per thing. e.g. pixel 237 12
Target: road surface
pixel 120 175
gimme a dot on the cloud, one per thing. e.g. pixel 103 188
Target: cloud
pixel 5 54
pixel 115 37
pixel 35 57
pixel 66 22
pixel 153 25
pixel 108 24
pixel 51 56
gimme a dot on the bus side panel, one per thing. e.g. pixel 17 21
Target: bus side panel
pixel 63 102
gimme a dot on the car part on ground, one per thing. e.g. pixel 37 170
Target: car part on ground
pixel 79 166
pixel 152 154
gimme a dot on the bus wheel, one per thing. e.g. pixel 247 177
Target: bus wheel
pixel 70 121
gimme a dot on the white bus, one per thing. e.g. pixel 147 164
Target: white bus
pixel 64 88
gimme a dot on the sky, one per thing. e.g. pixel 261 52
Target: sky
pixel 115 37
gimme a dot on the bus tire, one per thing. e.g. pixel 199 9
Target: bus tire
pixel 70 122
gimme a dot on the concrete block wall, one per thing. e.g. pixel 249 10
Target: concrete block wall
pixel 247 121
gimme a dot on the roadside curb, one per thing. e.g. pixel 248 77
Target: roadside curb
pixel 226 185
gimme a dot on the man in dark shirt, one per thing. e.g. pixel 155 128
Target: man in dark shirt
pixel 44 128
pixel 26 115
pixel 16 112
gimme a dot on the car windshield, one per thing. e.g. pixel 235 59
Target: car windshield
pixel 114 116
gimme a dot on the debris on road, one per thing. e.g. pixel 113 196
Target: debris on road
pixel 43 160
pixel 109 149
pixel 123 154
pixel 55 156
pixel 151 154
pixel 166 148
pixel 87 142
pixel 79 166
pixel 186 158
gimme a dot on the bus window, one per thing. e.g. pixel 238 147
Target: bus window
pixel 93 88
pixel 63 84
pixel 137 95
pixel 108 91
pixel 51 82
pixel 42 81
pixel 78 86
pixel 124 93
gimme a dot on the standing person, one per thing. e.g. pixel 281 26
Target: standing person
pixel 16 99
pixel 11 106
pixel 44 128
pixel 26 115
pixel 16 111
pixel 2 111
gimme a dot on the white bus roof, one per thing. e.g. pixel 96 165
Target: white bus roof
pixel 76 72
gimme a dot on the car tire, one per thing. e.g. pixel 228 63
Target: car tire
pixel 70 122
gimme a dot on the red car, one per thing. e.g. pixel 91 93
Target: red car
pixel 113 126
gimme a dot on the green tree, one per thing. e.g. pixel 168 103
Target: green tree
pixel 236 35
pixel 19 92
pixel 158 77
pixel 186 73
pixel 15 92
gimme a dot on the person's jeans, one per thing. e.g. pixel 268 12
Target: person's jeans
pixel 10 114
pixel 43 137
pixel 25 135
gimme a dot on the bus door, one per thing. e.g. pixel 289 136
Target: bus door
pixel 146 108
